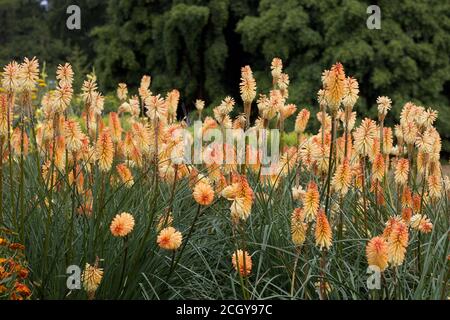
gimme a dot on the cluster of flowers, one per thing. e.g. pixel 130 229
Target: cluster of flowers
pixel 73 147
pixel 13 271
pixel 412 166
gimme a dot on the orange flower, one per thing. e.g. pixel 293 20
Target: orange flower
pixel 384 105
pixel 17 246
pixel 242 262
pixel 397 243
pixel 417 202
pixel 172 100
pixel 241 195
pixel 64 74
pixel 377 253
pixel 122 91
pixel 247 85
pixel 421 223
pixel 21 290
pixel 406 214
pixel 29 73
pixel 351 91
pixel 311 201
pixel 435 186
pixel 156 108
pixel 323 231
pixel 73 135
pixel 302 120
pixel 406 198
pixel 141 137
pixel 276 67
pixel 389 226
pixel 60 153
pixel 334 83
pixel 5 127
pixel 169 238
pixel 387 140
pixel 91 277
pixel 378 167
pixel 10 80
pixel 116 128
pixel 364 137
pixel 203 193
pixel 16 141
pixel 342 178
pixel 122 224
pixel 104 151
pixel 401 172
pixel 125 175
pixel 298 227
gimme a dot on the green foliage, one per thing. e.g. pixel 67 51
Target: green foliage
pixel 199 46
pixel 25 32
pixel 407 60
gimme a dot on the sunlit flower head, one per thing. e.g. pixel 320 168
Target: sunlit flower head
pixel 406 198
pixel 199 104
pixel 311 201
pixel 104 150
pixel 378 167
pixel 421 223
pixel 247 85
pixel 10 79
pixel 334 84
pixel 377 253
pixel 342 178
pixel 157 108
pixel 122 224
pixel 401 171
pixel 203 193
pixel 29 73
pixel 298 227
pixel 397 243
pixel 351 91
pixel 92 277
pixel 435 186
pixel 122 91
pixel 364 137
pixel 242 262
pixel 302 120
pixel 125 175
pixel 116 127
pixel 145 82
pixel 322 232
pixel 241 195
pixel 64 74
pixel 169 239
pixel 298 193
pixel 384 105
pixel 410 132
pixel 277 68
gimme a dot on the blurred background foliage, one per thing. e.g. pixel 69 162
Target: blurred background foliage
pixel 199 46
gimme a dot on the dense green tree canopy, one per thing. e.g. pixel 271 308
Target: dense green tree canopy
pixel 199 46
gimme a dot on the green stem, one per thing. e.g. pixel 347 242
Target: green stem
pixel 333 129
pixel 125 255
pixel 191 230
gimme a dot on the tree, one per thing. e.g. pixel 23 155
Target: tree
pixel 407 59
pixel 25 32
pixel 182 44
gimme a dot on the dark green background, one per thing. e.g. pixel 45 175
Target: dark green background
pixel 199 46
